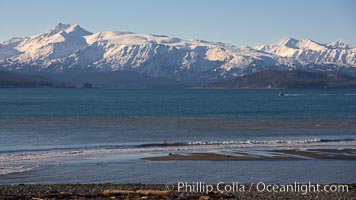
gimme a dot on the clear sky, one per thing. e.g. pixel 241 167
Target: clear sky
pixel 239 22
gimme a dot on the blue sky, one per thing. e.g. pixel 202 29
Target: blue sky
pixel 244 22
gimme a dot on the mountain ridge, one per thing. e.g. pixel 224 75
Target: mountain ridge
pixel 309 51
pixel 69 47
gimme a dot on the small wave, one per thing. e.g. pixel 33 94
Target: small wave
pixel 9 169
pixel 294 95
pixel 318 94
pixel 164 144
pixel 78 148
pixel 271 142
pixel 182 146
pixel 336 140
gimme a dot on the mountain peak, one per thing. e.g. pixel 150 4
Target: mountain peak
pixel 338 44
pixel 70 47
pixel 59 27
pixel 290 42
pixel 302 44
pixel 68 28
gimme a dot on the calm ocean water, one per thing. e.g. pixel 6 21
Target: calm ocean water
pixel 101 135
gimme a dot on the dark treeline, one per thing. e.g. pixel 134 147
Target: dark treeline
pixel 294 79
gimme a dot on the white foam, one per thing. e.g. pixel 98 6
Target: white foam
pixel 15 168
pixel 268 142
pixel 319 94
pixel 190 146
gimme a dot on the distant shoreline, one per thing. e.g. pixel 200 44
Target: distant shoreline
pixel 267 79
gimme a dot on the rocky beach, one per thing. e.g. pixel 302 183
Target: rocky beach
pixel 150 191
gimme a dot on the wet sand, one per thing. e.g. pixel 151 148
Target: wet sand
pixel 215 157
pixel 284 154
pixel 337 154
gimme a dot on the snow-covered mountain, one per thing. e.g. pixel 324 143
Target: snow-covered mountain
pixel 59 42
pixel 310 52
pixel 68 47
